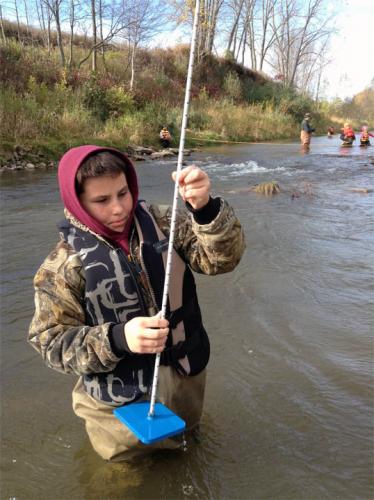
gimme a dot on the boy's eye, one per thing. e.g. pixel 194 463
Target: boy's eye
pixel 100 200
pixel 123 193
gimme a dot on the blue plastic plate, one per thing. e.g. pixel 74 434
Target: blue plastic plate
pixel 162 425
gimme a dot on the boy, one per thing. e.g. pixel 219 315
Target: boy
pixel 97 295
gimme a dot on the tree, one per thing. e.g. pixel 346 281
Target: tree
pixel 94 35
pixel 2 24
pixel 237 9
pixel 209 12
pixel 183 14
pixel 55 8
pixel 44 17
pixel 267 36
pixel 143 19
pixel 300 34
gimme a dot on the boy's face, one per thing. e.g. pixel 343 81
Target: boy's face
pixel 108 200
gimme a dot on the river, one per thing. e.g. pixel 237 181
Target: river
pixel 289 400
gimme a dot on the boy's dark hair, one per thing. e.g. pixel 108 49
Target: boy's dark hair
pixel 96 165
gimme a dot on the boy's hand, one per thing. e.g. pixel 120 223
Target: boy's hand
pixel 194 186
pixel 146 335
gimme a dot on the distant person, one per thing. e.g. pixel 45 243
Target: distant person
pixel 347 135
pixel 365 136
pixel 306 131
pixel 165 137
pixel 330 131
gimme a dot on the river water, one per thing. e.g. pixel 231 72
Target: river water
pixel 289 400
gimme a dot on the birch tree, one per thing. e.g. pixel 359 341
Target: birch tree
pixel 144 19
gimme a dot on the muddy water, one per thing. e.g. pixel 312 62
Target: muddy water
pixel 289 401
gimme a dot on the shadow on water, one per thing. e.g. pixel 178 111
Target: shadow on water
pixel 289 400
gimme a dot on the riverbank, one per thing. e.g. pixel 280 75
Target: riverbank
pixel 49 108
pixel 27 158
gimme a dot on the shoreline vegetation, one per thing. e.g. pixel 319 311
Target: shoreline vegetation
pixel 46 108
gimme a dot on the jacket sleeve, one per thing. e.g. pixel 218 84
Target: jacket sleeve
pixel 58 330
pixel 212 248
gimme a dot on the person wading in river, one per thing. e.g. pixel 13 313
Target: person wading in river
pixel 306 131
pixel 347 135
pixel 98 294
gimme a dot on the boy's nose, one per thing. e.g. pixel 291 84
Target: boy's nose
pixel 117 207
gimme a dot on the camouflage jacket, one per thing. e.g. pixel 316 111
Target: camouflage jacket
pixel 58 330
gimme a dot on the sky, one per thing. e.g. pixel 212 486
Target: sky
pixel 352 50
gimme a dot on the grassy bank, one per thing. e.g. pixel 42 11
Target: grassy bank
pixel 56 118
pixel 50 108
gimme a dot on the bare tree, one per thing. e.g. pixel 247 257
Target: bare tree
pixel 182 13
pixel 17 18
pixel 250 31
pixel 144 19
pixel 44 17
pixel 55 8
pixel 298 34
pixel 312 70
pixel 74 5
pixel 116 24
pixel 101 22
pixel 94 36
pixel 237 8
pixel 2 24
pixel 266 35
pixel 209 11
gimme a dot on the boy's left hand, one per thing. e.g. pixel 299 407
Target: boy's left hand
pixel 194 186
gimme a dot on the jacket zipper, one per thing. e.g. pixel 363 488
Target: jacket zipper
pixel 144 269
pixel 120 253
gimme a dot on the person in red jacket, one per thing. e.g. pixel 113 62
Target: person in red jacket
pixel 347 135
pixel 365 135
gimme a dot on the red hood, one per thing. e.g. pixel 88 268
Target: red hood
pixel 67 170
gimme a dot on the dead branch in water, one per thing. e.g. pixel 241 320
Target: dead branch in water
pixel 267 188
pixel 362 190
pixel 270 188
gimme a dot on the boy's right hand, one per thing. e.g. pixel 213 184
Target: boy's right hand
pixel 146 335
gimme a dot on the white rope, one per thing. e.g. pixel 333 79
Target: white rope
pixel 175 200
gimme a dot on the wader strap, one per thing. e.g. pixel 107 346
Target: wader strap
pixel 171 355
pixel 180 314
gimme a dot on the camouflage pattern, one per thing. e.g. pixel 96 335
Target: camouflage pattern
pixel 58 330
